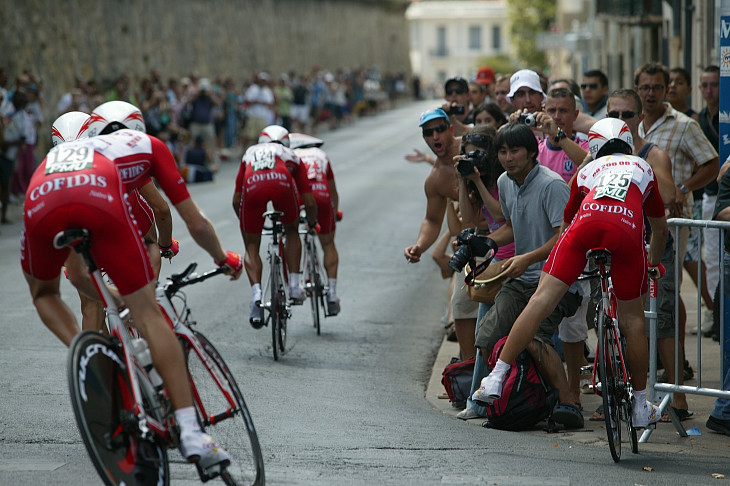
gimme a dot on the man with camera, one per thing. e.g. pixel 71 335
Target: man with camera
pixel 458 104
pixel 533 199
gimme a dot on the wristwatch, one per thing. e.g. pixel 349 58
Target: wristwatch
pixel 559 136
pixel 683 189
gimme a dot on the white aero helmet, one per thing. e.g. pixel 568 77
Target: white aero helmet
pixel 274 134
pixel 68 127
pixel 114 115
pixel 609 136
pixel 302 140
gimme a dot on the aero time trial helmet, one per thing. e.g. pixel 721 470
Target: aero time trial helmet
pixel 609 136
pixel 69 127
pixel 275 134
pixel 114 115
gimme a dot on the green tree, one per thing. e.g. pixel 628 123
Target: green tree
pixel 527 19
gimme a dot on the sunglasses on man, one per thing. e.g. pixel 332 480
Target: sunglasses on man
pixel 428 132
pixel 621 114
pixel 457 90
pixel 589 86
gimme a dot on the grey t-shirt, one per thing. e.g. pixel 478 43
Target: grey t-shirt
pixel 534 209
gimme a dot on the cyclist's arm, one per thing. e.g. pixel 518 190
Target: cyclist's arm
pixel 163 216
pixel 659 232
pixel 201 229
pixel 236 202
pixel 334 196
pixel 310 207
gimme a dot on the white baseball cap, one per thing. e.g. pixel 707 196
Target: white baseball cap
pixel 525 77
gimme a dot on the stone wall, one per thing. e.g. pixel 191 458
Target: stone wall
pixel 101 39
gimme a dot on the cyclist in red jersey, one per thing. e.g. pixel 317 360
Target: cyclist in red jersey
pixel 322 180
pixel 147 204
pixel 271 172
pixel 605 210
pixel 84 184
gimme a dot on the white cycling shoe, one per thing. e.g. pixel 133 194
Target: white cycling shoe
pixel 490 389
pixel 203 450
pixel 643 414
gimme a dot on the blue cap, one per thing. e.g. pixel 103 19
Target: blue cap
pixel 434 114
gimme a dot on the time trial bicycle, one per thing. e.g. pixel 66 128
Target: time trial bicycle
pixel 122 409
pixel 611 379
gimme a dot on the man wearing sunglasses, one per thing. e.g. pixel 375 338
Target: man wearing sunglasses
pixel 441 184
pixel 594 89
pixel 458 104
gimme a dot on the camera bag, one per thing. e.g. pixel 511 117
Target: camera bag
pixel 485 288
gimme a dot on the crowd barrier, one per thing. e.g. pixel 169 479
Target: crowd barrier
pixel 666 390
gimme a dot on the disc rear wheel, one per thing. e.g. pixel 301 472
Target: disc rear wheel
pixel 102 401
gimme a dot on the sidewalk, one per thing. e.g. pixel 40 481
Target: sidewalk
pixel 665 437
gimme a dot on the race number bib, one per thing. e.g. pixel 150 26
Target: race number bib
pixel 263 159
pixel 69 158
pixel 614 184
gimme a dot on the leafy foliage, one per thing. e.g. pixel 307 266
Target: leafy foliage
pixel 527 19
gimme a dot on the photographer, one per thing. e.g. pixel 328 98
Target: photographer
pixel 458 104
pixel 478 169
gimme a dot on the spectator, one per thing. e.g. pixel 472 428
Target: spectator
pixel 300 105
pixel 687 147
pixel 532 222
pixel 201 121
pixel 477 96
pixel 456 94
pixel 526 96
pixel 283 96
pixel 26 161
pixel 485 76
pixel 489 114
pixel 678 91
pixel 479 205
pixel 501 90
pixel 258 101
pixel 13 144
pixel 196 168
pixel 595 93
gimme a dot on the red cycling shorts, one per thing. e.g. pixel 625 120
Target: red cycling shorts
pixel 254 199
pixel 116 242
pixel 325 212
pixel 628 255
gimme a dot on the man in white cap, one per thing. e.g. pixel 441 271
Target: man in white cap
pixel 525 93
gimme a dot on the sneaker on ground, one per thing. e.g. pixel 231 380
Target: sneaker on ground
pixel 333 307
pixel 256 317
pixel 297 295
pixel 707 320
pixel 644 414
pixel 467 414
pixel 490 389
pixel 202 449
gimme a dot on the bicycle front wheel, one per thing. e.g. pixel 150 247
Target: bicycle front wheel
pixel 102 401
pixel 275 283
pixel 313 284
pixel 607 372
pixel 223 413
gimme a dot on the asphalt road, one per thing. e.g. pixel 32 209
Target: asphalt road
pixel 346 407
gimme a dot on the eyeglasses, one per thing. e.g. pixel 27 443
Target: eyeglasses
pixel 455 91
pixel 428 132
pixel 645 88
pixel 621 114
pixel 589 86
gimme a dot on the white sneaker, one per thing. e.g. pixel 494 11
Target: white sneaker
pixel 333 307
pixel 707 321
pixel 201 448
pixel 296 295
pixel 490 389
pixel 467 414
pixel 644 414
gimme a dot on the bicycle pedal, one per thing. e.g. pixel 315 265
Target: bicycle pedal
pixel 588 369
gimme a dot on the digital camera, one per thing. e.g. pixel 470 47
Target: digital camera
pixel 457 110
pixel 528 119
pixel 475 158
pixel 471 246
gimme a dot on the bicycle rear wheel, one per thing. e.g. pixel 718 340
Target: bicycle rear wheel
pixel 102 401
pixel 313 284
pixel 608 354
pixel 274 310
pixel 223 413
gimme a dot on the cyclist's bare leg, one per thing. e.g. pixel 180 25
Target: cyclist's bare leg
pixel 92 313
pixel 54 313
pixel 293 247
pixel 252 259
pixel 164 347
pixel 548 363
pixel 465 330
pixel 632 324
pixel 331 258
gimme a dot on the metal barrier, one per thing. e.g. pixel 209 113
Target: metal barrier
pixel 651 315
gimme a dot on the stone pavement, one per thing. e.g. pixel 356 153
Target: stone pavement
pixel 665 437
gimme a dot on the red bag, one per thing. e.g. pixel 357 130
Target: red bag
pixel 526 399
pixel 456 379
